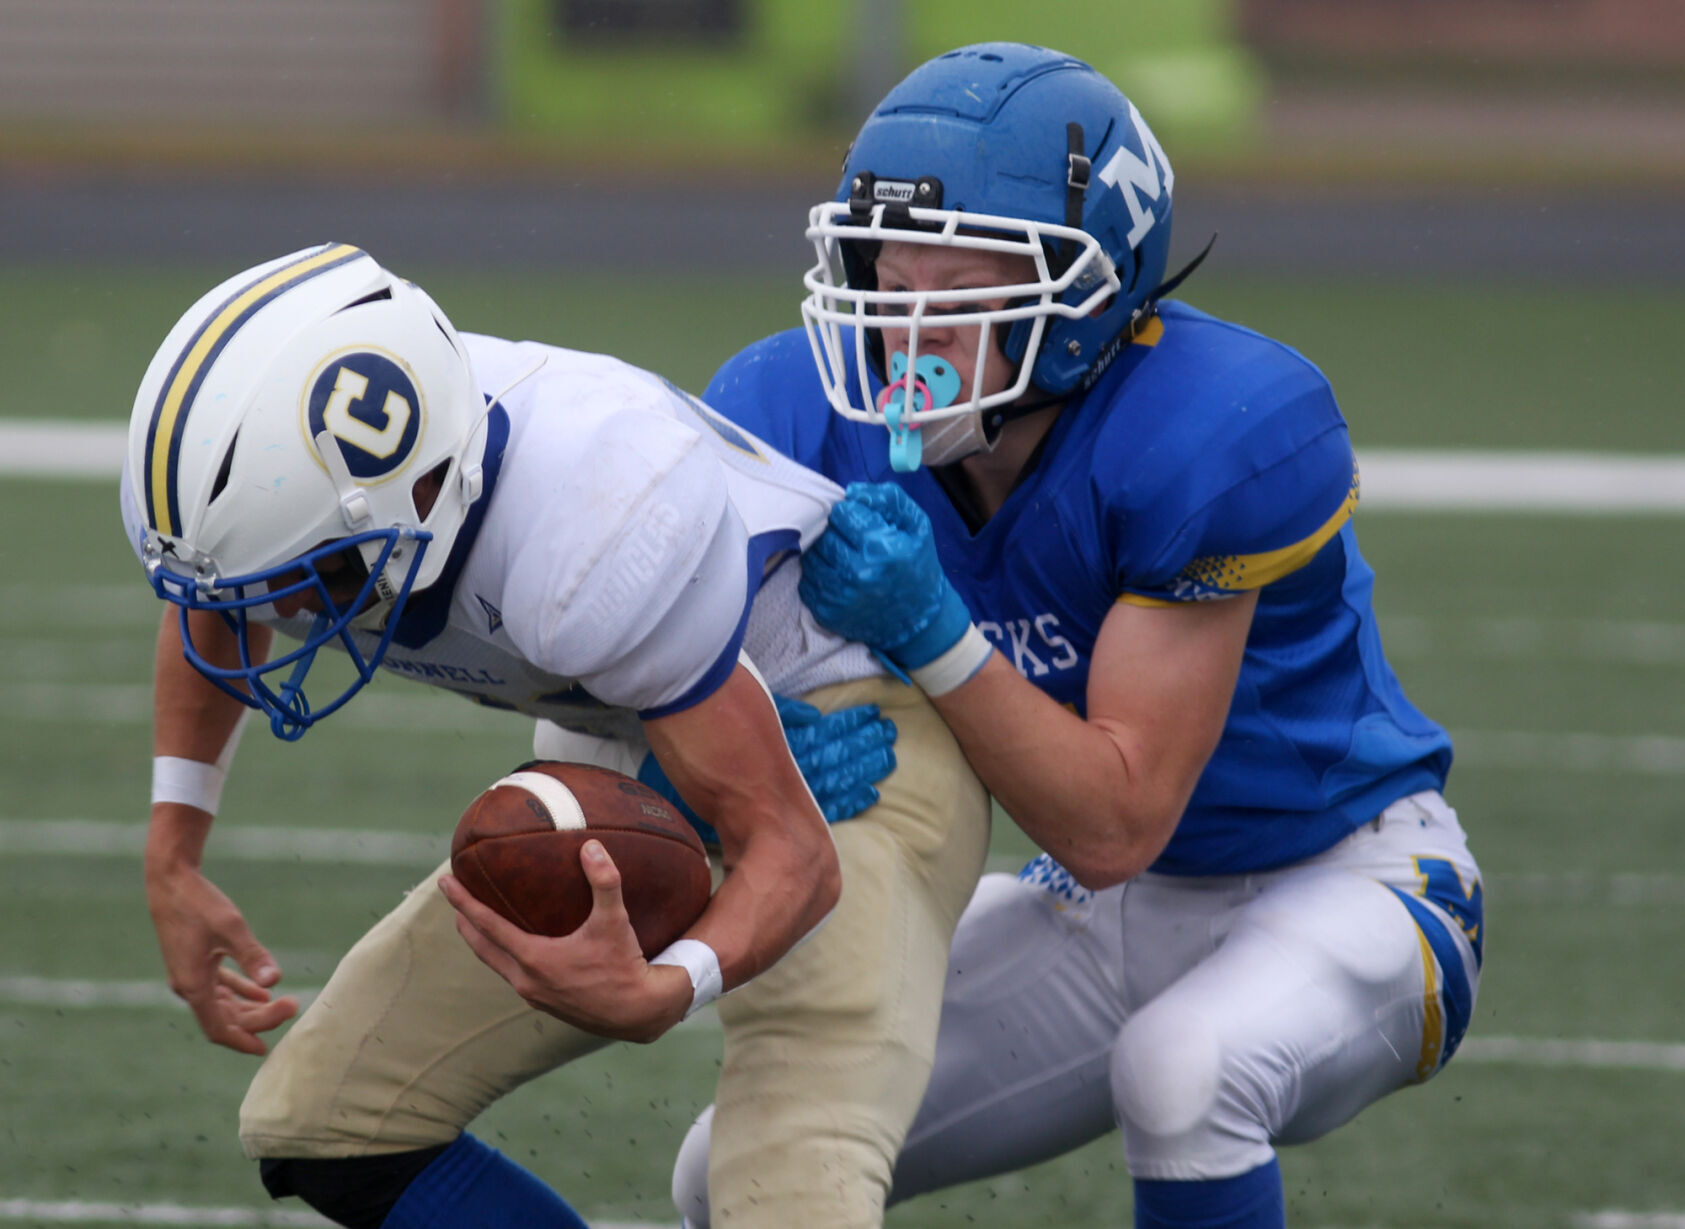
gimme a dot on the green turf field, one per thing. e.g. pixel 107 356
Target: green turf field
pixel 1552 646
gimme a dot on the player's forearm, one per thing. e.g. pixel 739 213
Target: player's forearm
pixel 191 717
pixel 781 872
pixel 1070 784
pixel 195 722
pixel 780 883
pixel 729 760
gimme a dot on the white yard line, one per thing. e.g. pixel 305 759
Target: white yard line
pixel 1585 1054
pixel 56 618
pixel 234 842
pixel 1553 1053
pixel 23 990
pixel 1394 479
pixel 237 842
pixel 1548 482
pixel 405 707
pixel 88 1212
pixel 90 994
pixel 1613 890
pixel 1651 755
pixel 1634 642
pixel 42 448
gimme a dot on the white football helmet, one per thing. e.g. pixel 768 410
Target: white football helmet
pixel 275 446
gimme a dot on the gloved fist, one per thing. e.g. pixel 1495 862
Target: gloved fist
pixel 842 755
pixel 874 576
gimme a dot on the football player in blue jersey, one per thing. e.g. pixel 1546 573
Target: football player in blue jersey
pixel 1112 537
pixel 315 451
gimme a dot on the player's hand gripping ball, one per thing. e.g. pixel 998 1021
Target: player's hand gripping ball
pixel 517 846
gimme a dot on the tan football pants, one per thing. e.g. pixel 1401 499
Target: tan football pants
pixel 826 1055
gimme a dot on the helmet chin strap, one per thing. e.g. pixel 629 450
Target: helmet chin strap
pixel 358 516
pixel 471 477
pixel 354 510
pixel 1143 316
pixel 953 439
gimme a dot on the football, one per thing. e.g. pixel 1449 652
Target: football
pixel 517 846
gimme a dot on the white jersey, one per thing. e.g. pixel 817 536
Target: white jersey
pixel 629 545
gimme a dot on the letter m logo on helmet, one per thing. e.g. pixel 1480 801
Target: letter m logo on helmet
pixel 1136 176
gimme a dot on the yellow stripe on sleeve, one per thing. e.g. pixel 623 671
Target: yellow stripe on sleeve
pixel 1214 575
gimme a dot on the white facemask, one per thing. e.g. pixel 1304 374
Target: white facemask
pixel 846 322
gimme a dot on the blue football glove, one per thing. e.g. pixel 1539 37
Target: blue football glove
pixel 841 756
pixel 873 576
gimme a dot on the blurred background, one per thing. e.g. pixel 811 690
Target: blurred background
pixel 1467 212
pixel 1521 136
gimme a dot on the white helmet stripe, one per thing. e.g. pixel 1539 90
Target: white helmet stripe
pixel 175 398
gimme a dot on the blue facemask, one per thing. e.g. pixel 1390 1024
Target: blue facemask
pixel 276 687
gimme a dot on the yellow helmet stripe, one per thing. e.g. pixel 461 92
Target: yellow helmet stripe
pixel 175 399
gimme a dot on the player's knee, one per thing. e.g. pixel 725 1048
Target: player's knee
pixel 690 1172
pixel 267 1112
pixel 1167 1071
pixel 357 1192
pixel 284 1112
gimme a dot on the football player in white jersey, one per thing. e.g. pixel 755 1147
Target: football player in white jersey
pixel 316 451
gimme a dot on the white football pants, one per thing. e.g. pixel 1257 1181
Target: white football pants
pixel 1210 1018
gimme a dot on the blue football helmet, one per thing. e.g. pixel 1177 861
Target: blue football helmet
pixel 274 451
pixel 997 147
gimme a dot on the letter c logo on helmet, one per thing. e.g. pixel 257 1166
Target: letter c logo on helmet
pixel 370 405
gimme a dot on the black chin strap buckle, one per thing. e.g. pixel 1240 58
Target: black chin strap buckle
pixel 1078 174
pixel 860 195
pixel 1078 168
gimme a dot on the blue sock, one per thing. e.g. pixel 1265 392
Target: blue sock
pixel 1250 1201
pixel 471 1186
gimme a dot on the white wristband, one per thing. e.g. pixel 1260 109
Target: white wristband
pixel 955 666
pixel 702 963
pixel 189 782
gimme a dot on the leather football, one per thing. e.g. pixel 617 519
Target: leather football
pixel 517 846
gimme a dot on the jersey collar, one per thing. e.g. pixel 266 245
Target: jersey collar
pixel 425 614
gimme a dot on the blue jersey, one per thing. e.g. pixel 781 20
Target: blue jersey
pixel 1208 460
